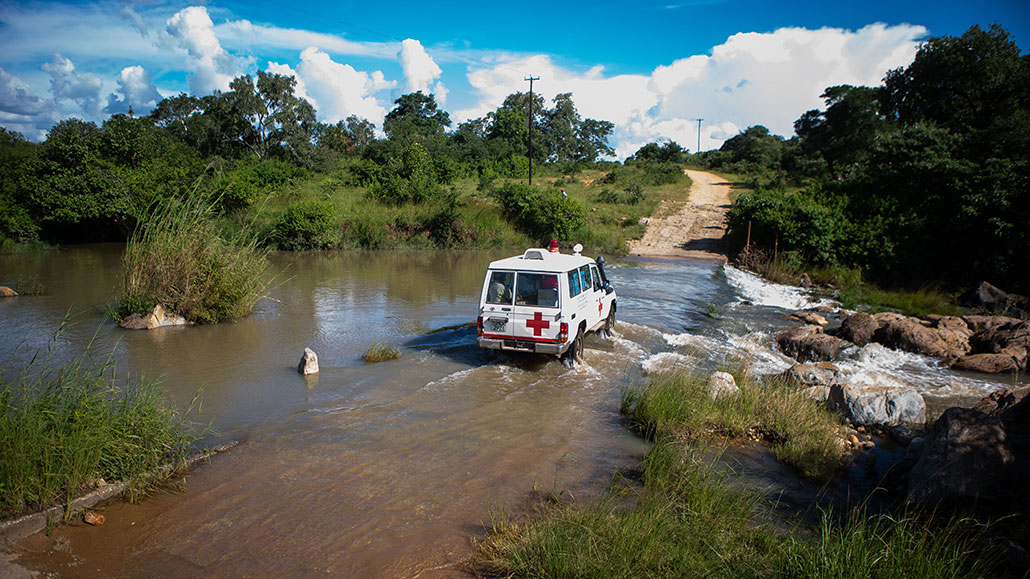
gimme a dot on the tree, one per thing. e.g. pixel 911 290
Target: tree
pixel 843 133
pixel 277 122
pixel 416 118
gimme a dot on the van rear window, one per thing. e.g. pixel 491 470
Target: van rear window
pixel 500 289
pixel 537 289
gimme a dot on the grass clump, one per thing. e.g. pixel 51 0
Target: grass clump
pixel 804 436
pixel 690 520
pixel 380 353
pixel 177 257
pixel 62 429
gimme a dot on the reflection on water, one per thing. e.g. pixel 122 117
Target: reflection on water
pixel 375 469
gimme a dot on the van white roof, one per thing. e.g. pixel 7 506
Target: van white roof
pixel 541 260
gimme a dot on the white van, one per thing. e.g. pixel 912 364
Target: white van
pixel 545 302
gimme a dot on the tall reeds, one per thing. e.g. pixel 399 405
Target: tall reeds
pixel 178 257
pixel 64 428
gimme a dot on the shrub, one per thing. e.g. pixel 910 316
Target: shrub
pixel 542 217
pixel 176 257
pixel 307 224
pixel 661 173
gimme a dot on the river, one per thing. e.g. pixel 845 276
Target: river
pixel 389 469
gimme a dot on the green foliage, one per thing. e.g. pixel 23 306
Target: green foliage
pixel 380 353
pixel 413 181
pixel 63 428
pixel 308 224
pixel 178 258
pixel 805 436
pixel 542 216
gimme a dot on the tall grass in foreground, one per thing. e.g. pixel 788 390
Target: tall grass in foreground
pixel 804 435
pixel 177 257
pixel 63 428
pixel 690 521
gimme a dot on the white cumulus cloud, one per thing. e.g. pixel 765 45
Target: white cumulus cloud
pixel 420 71
pixel 339 89
pixel 135 89
pixel 67 84
pixel 752 78
pixel 212 67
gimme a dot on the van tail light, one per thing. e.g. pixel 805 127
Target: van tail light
pixel 563 333
pixel 479 325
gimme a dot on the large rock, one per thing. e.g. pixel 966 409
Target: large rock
pixel 821 374
pixel 308 362
pixel 967 459
pixel 912 335
pixel 986 363
pixel 722 384
pixel 6 292
pixel 157 318
pixel 955 332
pixel 872 406
pixel 810 344
pixel 810 318
pixel 858 328
pixel 1010 337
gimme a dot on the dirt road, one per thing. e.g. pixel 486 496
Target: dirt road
pixel 694 228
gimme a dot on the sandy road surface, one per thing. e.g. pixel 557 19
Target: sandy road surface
pixel 696 229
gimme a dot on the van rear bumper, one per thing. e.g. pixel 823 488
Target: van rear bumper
pixel 521 346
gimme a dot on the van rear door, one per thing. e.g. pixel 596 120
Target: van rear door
pixel 498 304
pixel 537 311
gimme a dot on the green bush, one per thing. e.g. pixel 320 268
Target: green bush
pixel 661 173
pixel 541 216
pixel 178 258
pixel 309 224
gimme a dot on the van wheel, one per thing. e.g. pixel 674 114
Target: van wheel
pixel 609 325
pixel 574 354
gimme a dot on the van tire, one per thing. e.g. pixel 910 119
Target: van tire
pixel 574 355
pixel 609 324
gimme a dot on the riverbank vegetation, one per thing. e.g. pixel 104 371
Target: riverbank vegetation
pixel 919 182
pixel 270 168
pixel 179 258
pixel 64 428
pixel 685 515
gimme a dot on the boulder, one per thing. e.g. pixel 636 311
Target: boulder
pixel 722 383
pixel 869 406
pixel 6 292
pixel 955 332
pixel 986 363
pixel 967 459
pixel 805 281
pixel 308 362
pixel 912 335
pixel 821 374
pixel 810 318
pixel 1010 337
pixel 157 318
pixel 977 323
pixel 810 344
pixel 858 328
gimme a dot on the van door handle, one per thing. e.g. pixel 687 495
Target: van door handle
pixel 505 309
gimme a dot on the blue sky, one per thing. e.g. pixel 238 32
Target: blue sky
pixel 650 67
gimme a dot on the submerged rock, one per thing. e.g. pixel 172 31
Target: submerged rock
pixel 157 318
pixel 810 344
pixel 308 362
pixel 858 328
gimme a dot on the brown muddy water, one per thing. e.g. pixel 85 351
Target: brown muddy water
pixel 389 469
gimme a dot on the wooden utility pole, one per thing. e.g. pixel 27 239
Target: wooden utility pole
pixel 698 135
pixel 529 143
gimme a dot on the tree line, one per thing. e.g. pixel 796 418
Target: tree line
pixel 89 182
pixel 925 178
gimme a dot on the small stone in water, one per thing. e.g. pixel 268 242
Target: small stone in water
pixel 93 519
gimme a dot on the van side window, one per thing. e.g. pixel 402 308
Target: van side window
pixel 596 276
pixel 537 289
pixel 574 285
pixel 499 291
pixel 584 271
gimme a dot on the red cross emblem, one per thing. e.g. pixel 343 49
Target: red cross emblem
pixel 600 305
pixel 538 323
